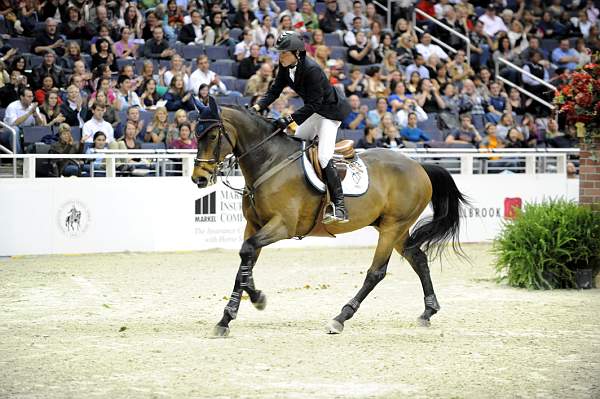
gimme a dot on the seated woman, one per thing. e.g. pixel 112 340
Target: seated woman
pixel 125 47
pixel 41 93
pixel 66 145
pixel 97 166
pixel 177 97
pixel 267 51
pixel 50 109
pixel 370 138
pixel 391 138
pixel 185 140
pixel 126 96
pixel 158 130
pixel 129 141
pixel 148 94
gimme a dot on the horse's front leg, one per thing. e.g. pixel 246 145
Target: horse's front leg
pixel 254 240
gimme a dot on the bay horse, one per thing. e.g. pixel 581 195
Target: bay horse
pixel 283 205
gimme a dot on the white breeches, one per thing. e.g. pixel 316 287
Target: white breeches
pixel 326 129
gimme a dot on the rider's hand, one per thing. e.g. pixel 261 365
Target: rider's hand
pixel 256 108
pixel 283 122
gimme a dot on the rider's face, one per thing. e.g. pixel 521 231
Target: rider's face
pixel 287 58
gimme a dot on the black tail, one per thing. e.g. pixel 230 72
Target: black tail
pixel 444 226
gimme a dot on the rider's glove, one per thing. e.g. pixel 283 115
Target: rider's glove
pixel 283 122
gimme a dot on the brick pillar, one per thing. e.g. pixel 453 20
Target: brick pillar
pixel 589 175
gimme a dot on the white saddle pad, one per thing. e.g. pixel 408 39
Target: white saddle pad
pixel 354 184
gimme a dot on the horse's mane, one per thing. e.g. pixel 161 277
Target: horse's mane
pixel 261 121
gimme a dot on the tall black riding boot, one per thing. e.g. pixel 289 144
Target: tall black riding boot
pixel 336 211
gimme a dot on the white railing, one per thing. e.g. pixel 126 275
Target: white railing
pixel 14 146
pixel 522 90
pixel 446 27
pixel 161 163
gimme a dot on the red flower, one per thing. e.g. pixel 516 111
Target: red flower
pixel 584 99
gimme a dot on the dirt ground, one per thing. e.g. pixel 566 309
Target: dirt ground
pixel 138 325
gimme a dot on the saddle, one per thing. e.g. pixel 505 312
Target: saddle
pixel 343 153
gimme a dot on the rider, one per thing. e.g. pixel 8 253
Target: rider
pixel 324 109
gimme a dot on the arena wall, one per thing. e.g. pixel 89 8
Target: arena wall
pixel 60 216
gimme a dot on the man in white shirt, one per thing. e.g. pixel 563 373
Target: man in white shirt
pixel 203 75
pixel 492 23
pixel 20 113
pixel 426 48
pixel 296 17
pixel 97 124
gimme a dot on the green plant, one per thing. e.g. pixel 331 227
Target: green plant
pixel 543 246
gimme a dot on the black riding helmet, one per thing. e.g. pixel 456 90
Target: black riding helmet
pixel 289 41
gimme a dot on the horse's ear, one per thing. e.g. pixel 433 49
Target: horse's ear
pixel 214 108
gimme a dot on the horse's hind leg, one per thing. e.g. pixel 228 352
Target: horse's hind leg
pixel 418 261
pixel 389 235
pixel 253 242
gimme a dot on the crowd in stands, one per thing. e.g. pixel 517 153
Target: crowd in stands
pixel 101 66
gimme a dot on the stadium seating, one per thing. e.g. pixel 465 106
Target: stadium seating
pixel 191 52
pixel 217 53
pixel 333 39
pixel 153 146
pixel 34 134
pixel 350 134
pixel 222 67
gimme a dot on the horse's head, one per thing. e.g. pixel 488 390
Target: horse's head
pixel 214 144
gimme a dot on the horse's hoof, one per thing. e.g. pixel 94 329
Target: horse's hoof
pixel 220 332
pixel 334 327
pixel 423 322
pixel 261 302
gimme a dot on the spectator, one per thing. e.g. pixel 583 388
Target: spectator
pixel 398 95
pixel 177 67
pixel 217 33
pixel 505 124
pixel 551 131
pixel 97 124
pixel 73 109
pixel 466 133
pixel 9 92
pixel 133 20
pixel 516 102
pixel 357 12
pixel 491 139
pixel 97 166
pixel 450 19
pixel 567 140
pixel 103 85
pixel 180 119
pixel 391 138
pixel 514 139
pixel 407 107
pixel 249 65
pixel 192 33
pixel 372 16
pixel 419 67
pixel 449 114
pixel 564 56
pixel 244 16
pixel 406 50
pixel 104 55
pixel 133 116
pixel 385 47
pixel 482 82
pixel 149 97
pixel 350 36
pixel 49 39
pixel 268 51
pixel 480 45
pixel 158 47
pixel 177 97
pixel 19 64
pixel 426 48
pixel 412 86
pixel 438 70
pixel 129 141
pixel 242 49
pixel 41 93
pixel 260 33
pixel 411 132
pixel 20 113
pixel 110 114
pixel 126 95
pixel 428 97
pixel 75 28
pixel 370 138
pixel 66 145
pixel 285 24
pixel 322 54
pixel 492 23
pixel 362 53
pixel 185 141
pixel 263 10
pixel 203 75
pixel 50 109
pixel 332 19
pixel 375 86
pixel 318 39
pixel 72 55
pixel 48 67
pixel 158 129
pixel 508 53
pixel 125 47
pixel 357 117
pixel 496 104
pixel 296 18
pixel 259 83
pixel 175 17
pixel 584 53
pixel 374 116
pixel 548 28
pixel 356 83
pixel 311 19
pixel 104 33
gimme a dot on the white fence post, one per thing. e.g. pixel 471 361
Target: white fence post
pixel 466 164
pixel 29 168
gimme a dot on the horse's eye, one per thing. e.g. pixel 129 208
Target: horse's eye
pixel 212 137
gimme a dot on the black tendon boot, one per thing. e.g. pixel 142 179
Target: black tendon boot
pixel 335 212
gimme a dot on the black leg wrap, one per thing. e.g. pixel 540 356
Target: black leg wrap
pixel 432 303
pixel 233 305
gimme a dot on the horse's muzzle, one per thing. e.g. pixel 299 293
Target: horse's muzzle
pixel 200 181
